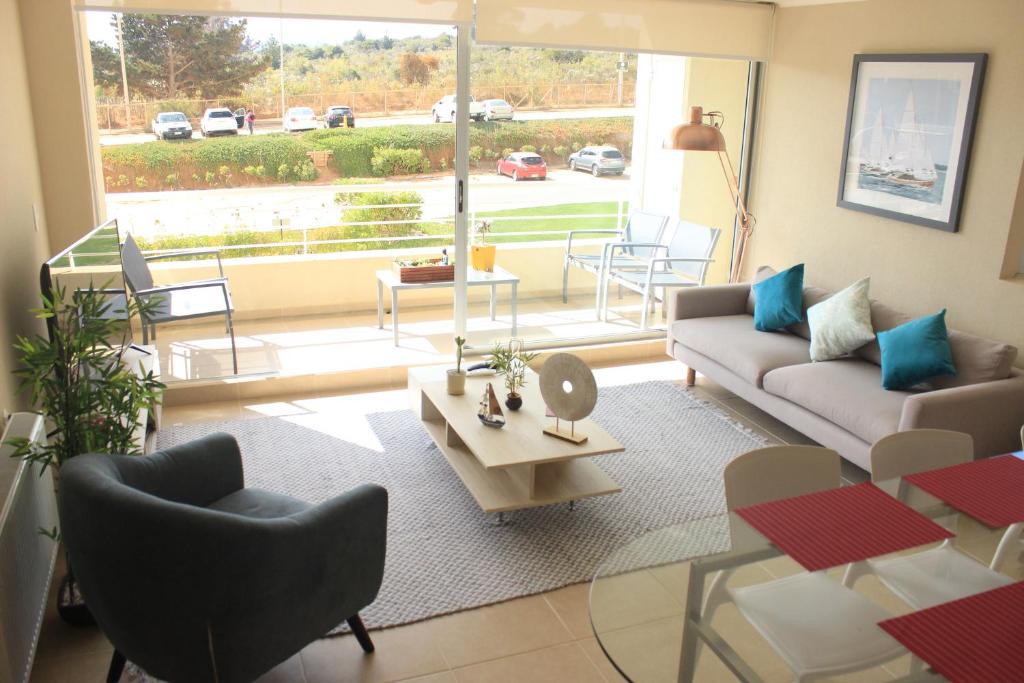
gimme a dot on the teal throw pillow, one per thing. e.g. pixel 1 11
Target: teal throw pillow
pixel 779 300
pixel 915 351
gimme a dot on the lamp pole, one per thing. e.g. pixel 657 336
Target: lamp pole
pixel 124 73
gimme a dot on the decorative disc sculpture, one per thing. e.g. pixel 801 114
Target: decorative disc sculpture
pixel 570 392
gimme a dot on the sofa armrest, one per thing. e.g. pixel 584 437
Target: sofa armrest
pixel 708 302
pixel 991 412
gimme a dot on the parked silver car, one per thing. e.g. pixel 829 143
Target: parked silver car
pixel 497 110
pixel 598 160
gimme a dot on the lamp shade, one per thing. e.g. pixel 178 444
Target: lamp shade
pixel 696 136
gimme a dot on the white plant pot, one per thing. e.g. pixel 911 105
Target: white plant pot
pixel 456 382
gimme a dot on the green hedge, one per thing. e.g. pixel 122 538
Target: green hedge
pixel 166 165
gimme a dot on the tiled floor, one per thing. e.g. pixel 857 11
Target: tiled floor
pixel 537 639
pixel 338 343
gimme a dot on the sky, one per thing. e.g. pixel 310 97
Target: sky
pixel 296 31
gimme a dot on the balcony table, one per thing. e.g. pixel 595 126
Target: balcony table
pixel 388 279
pixel 645 602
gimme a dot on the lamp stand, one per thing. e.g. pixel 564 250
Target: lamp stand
pixel 746 221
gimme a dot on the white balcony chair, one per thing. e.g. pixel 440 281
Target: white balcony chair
pixel 181 301
pixel 642 227
pixel 818 627
pixel 942 573
pixel 683 262
pixel 1012 537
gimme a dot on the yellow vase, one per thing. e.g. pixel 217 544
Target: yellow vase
pixel 482 257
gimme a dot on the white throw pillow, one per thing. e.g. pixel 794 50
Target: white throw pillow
pixel 841 323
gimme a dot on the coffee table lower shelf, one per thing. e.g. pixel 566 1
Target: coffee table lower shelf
pixel 502 489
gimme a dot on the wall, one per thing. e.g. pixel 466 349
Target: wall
pixel 21 207
pixel 916 269
pixel 716 85
pixel 62 117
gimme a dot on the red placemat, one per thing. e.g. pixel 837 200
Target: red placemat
pixel 990 490
pixel 973 639
pixel 838 526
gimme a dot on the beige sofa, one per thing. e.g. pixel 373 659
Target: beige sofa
pixel 841 404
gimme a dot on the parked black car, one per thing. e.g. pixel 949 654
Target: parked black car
pixel 340 115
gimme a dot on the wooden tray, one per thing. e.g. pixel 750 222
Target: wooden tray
pixel 434 272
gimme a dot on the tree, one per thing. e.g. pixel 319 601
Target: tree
pixel 413 68
pixel 171 56
pixel 106 65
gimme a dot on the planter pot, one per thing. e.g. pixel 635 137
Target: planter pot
pixel 482 257
pixel 456 382
pixel 70 605
pixel 514 401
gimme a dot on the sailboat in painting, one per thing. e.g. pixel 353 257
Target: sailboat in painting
pixel 911 160
pixel 875 157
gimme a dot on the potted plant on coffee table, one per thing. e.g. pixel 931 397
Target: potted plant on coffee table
pixel 511 361
pixel 457 377
pixel 86 390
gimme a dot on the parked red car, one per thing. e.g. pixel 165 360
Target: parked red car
pixel 521 165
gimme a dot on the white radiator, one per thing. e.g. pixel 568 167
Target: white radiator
pixel 26 556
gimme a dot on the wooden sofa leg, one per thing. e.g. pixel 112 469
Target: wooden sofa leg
pixel 691 377
pixel 359 631
pixel 117 662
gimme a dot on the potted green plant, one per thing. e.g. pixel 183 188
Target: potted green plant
pixel 510 361
pixel 85 388
pixel 457 377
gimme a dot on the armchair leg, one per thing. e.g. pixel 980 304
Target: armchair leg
pixel 565 280
pixel 359 631
pixel 117 662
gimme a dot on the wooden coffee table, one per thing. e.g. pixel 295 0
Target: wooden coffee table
pixel 515 467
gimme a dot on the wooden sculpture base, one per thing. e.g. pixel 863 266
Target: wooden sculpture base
pixel 570 436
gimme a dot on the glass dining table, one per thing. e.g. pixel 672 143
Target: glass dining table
pixel 646 599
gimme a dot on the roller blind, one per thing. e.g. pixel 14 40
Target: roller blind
pixel 417 11
pixel 728 29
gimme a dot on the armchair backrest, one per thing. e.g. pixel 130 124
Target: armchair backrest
pixel 644 227
pixel 133 263
pixel 692 240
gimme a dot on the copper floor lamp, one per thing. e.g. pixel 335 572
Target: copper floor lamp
pixel 698 136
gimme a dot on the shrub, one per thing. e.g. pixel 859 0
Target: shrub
pixel 528 148
pixel 355 214
pixel 443 164
pixel 561 151
pixel 141 182
pixel 283 171
pixel 211 177
pixel 172 180
pixel 122 180
pixel 505 152
pixel 387 161
pixel 476 153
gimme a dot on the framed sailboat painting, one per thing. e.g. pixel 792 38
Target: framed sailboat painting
pixel 909 127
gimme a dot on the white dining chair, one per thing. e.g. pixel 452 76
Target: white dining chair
pixel 939 574
pixel 817 626
pixel 1012 538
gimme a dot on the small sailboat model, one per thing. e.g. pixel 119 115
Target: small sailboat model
pixel 490 410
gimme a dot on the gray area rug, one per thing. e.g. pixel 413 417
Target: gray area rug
pixel 445 555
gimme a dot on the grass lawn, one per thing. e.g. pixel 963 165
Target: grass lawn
pixel 549 219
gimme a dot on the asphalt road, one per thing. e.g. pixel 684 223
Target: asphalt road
pixel 149 214
pixel 264 127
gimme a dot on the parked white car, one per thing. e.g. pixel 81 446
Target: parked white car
pixel 444 109
pixel 497 110
pixel 299 118
pixel 171 124
pixel 218 121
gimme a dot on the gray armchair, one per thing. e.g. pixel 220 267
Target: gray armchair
pixel 195 578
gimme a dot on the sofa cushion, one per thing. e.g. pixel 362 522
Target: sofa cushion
pixel 846 392
pixel 976 359
pixel 732 341
pixel 812 296
pixel 779 300
pixel 915 352
pixel 841 323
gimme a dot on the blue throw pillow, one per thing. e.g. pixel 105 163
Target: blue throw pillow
pixel 915 351
pixel 779 300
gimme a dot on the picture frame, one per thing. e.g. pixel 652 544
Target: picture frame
pixel 909 128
